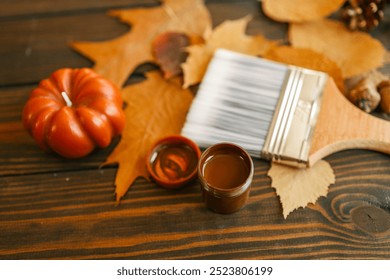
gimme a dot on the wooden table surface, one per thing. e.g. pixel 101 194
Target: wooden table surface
pixel 52 208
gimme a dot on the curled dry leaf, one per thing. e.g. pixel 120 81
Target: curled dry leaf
pixel 375 76
pixel 299 187
pixel 116 59
pixel 384 91
pixel 365 95
pixel 354 52
pixel 299 10
pixel 169 51
pixel 308 59
pixel 228 35
pixel 155 108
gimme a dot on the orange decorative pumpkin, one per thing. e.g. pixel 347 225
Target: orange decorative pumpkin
pixel 74 111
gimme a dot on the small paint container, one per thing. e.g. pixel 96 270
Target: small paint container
pixel 225 172
pixel 172 162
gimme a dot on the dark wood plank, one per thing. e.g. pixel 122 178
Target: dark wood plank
pixel 259 23
pixel 73 215
pixel 12 100
pixel 51 208
pixel 46 7
pixel 20 155
pixel 39 7
pixel 18 152
pixel 41 44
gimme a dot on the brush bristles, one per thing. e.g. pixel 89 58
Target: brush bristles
pixel 235 102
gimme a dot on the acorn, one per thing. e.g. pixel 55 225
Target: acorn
pixel 365 95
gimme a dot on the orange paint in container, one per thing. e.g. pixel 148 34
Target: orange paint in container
pixel 173 161
pixel 225 172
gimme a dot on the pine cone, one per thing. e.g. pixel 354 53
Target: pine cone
pixel 363 15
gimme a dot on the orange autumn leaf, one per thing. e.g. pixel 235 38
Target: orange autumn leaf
pixel 308 59
pixel 228 35
pixel 355 52
pixel 155 108
pixel 299 10
pixel 116 59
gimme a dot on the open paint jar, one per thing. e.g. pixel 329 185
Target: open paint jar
pixel 225 173
pixel 173 161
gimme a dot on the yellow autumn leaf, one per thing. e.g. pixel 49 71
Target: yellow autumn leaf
pixel 355 52
pixel 299 10
pixel 228 35
pixel 298 187
pixel 155 108
pixel 308 59
pixel 116 59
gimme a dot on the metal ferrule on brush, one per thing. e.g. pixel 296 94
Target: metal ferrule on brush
pixel 292 127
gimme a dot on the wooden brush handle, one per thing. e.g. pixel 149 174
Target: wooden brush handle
pixel 343 126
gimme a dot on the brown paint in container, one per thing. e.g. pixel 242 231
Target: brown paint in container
pixel 225 172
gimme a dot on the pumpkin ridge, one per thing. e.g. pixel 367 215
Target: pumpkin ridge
pixel 43 102
pixel 88 143
pixel 44 92
pixel 98 88
pixel 62 81
pixel 46 127
pixel 103 118
pixel 113 117
pixel 80 77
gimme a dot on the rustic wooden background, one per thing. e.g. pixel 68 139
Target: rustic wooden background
pixel 65 209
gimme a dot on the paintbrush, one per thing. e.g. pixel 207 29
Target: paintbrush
pixel 278 112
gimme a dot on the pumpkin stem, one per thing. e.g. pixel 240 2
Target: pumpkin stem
pixel 67 99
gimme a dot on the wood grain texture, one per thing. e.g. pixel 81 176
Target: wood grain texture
pixel 73 215
pixel 342 126
pixel 45 7
pixel 51 208
pixel 33 48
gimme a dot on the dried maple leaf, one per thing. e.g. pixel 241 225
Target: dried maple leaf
pixel 116 59
pixel 375 76
pixel 299 10
pixel 299 187
pixel 228 35
pixel 155 108
pixel 354 52
pixel 308 59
